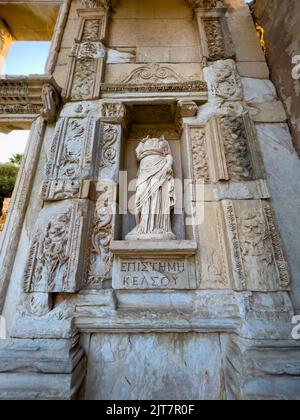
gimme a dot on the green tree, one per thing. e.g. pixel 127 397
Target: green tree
pixel 8 176
pixel 16 159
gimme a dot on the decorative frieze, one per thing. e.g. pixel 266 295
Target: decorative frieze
pixel 53 263
pixel 23 99
pixel 258 262
pixel 190 86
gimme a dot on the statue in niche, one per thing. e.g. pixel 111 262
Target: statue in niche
pixel 155 191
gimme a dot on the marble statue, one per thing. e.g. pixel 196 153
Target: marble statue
pixel 155 191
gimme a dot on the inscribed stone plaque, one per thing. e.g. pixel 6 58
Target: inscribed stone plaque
pixel 154 273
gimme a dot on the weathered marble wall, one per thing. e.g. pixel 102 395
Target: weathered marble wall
pixel 280 21
pixel 182 366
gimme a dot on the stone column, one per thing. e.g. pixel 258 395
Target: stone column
pixel 104 219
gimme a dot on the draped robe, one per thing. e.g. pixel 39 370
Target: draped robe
pixel 155 191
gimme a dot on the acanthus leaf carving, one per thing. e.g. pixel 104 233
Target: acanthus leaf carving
pixel 205 4
pixel 113 111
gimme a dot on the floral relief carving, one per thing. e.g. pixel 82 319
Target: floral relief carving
pixel 100 256
pixel 236 147
pixel 114 110
pixel 226 83
pixel 91 30
pixel 109 153
pixel 84 79
pixel 199 154
pixel 214 38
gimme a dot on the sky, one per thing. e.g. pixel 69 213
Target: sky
pixel 23 58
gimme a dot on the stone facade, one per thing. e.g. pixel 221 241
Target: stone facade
pixel 102 302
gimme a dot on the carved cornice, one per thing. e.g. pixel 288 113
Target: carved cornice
pixel 205 4
pixel 192 86
pixel 22 99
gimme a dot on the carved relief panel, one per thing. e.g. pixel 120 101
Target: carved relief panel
pixel 71 159
pixel 99 259
pixel 88 55
pixel 258 261
pixel 225 149
pixel 214 33
pixel 56 254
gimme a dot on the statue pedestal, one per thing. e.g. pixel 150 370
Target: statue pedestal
pixel 151 237
pixel 151 265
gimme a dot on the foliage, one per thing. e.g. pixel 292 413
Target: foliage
pixel 8 176
pixel 16 159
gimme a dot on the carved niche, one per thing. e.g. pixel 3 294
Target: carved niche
pixel 54 262
pixel 258 261
pixel 87 60
pixel 225 149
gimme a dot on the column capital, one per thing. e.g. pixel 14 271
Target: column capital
pixel 205 4
pixel 114 112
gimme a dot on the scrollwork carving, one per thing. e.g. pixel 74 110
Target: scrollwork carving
pixel 154 73
pixel 109 153
pixel 101 234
